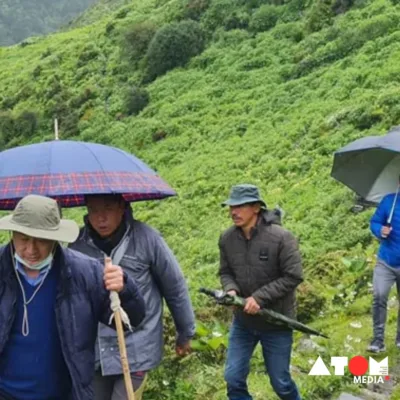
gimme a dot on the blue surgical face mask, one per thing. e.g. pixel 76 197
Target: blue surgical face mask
pixel 38 266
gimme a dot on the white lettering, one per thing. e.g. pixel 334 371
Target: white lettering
pixel 319 368
pixel 378 368
pixel 339 363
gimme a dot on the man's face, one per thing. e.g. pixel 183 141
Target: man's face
pixel 32 250
pixel 105 214
pixel 244 215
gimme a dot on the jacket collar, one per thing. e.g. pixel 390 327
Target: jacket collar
pixel 266 217
pixel 7 272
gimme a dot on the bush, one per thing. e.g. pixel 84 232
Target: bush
pixel 69 125
pixel 26 124
pixel 137 39
pixel 320 15
pixel 237 20
pixel 265 18
pixel 292 31
pixel 7 126
pixel 88 54
pixel 136 100
pixel 173 46
pixel 341 6
pixel 82 98
pixel 37 71
pixel 219 12
pixel 194 9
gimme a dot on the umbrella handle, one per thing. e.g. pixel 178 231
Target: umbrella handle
pixel 122 345
pixel 389 220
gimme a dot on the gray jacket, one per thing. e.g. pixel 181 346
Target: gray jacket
pixel 146 257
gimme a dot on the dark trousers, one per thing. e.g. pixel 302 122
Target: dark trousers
pixel 112 387
pixel 276 348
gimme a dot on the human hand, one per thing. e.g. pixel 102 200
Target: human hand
pixel 113 277
pixel 183 349
pixel 231 292
pixel 385 231
pixel 251 306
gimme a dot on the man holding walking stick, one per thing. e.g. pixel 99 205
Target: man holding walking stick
pixel 110 229
pixel 51 301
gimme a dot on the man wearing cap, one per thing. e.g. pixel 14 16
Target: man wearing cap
pixel 51 301
pixel 260 261
pixel 141 251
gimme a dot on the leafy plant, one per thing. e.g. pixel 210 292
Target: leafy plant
pixel 173 46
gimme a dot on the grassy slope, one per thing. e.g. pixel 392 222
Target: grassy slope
pixel 264 109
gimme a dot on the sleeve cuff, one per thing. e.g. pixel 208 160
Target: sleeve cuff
pixel 232 286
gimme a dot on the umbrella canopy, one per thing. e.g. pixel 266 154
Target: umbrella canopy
pixel 68 170
pixel 370 166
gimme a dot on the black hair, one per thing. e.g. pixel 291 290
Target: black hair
pixel 115 197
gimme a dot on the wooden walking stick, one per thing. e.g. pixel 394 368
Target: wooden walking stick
pixel 121 317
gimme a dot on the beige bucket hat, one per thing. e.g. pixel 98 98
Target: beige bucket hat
pixel 39 217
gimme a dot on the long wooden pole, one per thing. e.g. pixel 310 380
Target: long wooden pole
pixel 122 349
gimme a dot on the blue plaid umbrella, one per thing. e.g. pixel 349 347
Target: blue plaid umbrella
pixel 68 170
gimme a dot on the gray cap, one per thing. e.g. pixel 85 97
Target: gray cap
pixel 39 217
pixel 243 194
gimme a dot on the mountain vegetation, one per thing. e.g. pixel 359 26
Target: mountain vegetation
pixel 20 19
pixel 211 93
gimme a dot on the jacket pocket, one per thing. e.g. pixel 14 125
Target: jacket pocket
pixel 136 269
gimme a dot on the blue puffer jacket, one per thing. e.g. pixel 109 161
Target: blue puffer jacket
pixel 389 250
pixel 82 302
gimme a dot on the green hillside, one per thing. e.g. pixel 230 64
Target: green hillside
pixel 211 93
pixel 20 19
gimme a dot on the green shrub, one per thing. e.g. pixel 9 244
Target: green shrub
pixel 136 100
pixel 341 6
pixel 292 31
pixel 265 18
pixel 122 13
pixel 89 53
pixel 237 20
pixel 218 13
pixel 82 98
pixel 37 71
pixel 137 38
pixel 7 126
pixel 320 15
pixel 173 46
pixel 194 9
pixel 26 124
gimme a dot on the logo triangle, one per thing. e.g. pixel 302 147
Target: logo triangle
pixel 319 368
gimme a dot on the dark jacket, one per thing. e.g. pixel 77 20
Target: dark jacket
pixel 145 256
pixel 267 267
pixel 82 301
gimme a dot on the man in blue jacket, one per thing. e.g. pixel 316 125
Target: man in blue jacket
pixel 51 301
pixel 387 269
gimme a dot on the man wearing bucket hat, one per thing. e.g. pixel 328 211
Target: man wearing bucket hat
pixel 51 301
pixel 260 261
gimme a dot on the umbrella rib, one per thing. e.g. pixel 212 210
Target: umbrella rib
pixel 125 155
pixel 101 167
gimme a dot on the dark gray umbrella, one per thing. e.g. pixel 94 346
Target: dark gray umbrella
pixel 370 166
